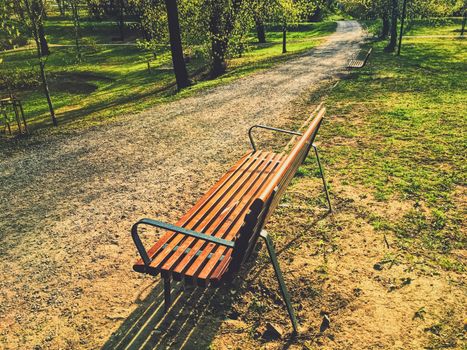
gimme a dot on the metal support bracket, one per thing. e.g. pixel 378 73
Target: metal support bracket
pixel 253 145
pixel 322 177
pixel 142 251
pixel 285 294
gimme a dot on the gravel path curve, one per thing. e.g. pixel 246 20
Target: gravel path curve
pixel 67 202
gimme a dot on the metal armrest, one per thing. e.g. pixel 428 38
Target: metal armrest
pixel 269 128
pixel 143 252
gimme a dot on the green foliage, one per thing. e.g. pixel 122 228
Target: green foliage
pixel 18 79
pixel 10 28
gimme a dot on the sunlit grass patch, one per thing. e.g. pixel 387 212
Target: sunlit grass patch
pixel 400 134
pixel 115 80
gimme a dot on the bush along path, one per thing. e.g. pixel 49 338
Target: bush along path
pixel 68 202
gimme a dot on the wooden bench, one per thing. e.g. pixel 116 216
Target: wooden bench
pixel 360 60
pixel 209 244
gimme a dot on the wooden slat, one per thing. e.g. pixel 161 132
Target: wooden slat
pixel 205 200
pixel 195 222
pixel 304 141
pixel 212 222
pixel 284 174
pixel 234 227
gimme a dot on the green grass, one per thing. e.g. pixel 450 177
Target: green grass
pixel 428 26
pixel 434 26
pixel 61 31
pixel 113 80
pixel 401 136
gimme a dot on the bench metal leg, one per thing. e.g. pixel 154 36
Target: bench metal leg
pixel 277 270
pixel 167 298
pixel 322 177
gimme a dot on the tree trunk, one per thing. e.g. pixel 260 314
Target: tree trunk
pixel 76 25
pixel 61 8
pixel 35 18
pixel 42 39
pixel 181 74
pixel 393 41
pixel 220 34
pixel 316 16
pixel 45 86
pixel 385 29
pixel 404 8
pixel 463 23
pixel 121 23
pixel 36 12
pixel 260 30
pixel 219 65
pixel 44 11
pixel 284 38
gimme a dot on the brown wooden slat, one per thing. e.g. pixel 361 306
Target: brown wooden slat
pixel 303 141
pixel 195 222
pixel 285 169
pixel 217 274
pixel 221 225
pixel 199 205
pixel 234 227
pixel 212 221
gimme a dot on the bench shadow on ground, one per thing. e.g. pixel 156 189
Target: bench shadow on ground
pixel 196 313
pixel 191 322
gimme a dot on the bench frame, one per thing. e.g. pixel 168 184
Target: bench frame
pixel 227 243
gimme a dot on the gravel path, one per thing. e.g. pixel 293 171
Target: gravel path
pixel 68 202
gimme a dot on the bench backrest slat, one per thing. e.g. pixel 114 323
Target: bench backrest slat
pixel 266 201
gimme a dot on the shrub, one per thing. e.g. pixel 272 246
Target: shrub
pixel 18 79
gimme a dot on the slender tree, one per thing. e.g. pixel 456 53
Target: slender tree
pixel 404 9
pixel 121 19
pixel 37 11
pixel 32 8
pixel 284 37
pixel 260 32
pixel 464 18
pixel 181 74
pixel 77 28
pixel 61 8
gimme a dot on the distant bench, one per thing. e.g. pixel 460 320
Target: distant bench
pixel 209 244
pixel 360 59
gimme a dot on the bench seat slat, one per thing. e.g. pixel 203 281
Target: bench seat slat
pixel 215 217
pixel 205 201
pixel 202 220
pixel 201 276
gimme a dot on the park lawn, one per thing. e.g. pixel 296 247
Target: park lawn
pixel 450 26
pixel 61 31
pixel 398 132
pixel 434 26
pixel 114 80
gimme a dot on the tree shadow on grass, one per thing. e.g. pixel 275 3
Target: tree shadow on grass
pixel 191 322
